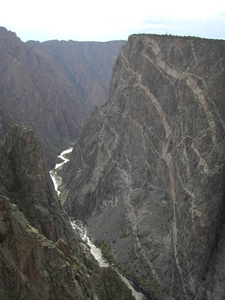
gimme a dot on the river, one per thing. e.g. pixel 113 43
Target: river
pixel 57 180
pixel 96 252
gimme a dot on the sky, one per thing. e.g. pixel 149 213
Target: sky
pixel 98 20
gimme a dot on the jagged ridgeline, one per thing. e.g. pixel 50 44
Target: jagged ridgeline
pixel 41 257
pixel 52 86
pixel 147 173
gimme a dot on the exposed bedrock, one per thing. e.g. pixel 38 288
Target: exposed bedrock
pixel 52 86
pixel 147 173
pixel 41 256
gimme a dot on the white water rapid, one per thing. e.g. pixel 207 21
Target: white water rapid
pixel 96 252
pixel 78 225
pixel 55 178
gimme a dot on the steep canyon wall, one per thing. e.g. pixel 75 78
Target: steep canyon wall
pixel 41 256
pixel 147 173
pixel 52 86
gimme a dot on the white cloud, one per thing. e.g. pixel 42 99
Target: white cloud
pixel 100 20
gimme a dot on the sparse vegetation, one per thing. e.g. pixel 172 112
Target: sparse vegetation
pixel 123 235
pixel 75 266
pixel 133 255
pixel 106 252
pixel 144 280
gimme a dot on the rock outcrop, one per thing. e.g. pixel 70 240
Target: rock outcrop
pixel 41 256
pixel 147 173
pixel 52 86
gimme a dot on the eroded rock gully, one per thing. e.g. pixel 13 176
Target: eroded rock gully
pixel 147 173
pixel 41 256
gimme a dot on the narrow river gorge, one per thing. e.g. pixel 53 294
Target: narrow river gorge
pixel 137 291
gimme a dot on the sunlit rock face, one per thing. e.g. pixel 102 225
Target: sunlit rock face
pixel 150 163
pixel 52 86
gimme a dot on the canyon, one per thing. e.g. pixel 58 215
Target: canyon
pixel 147 172
pixel 145 176
pixel 52 86
pixel 41 256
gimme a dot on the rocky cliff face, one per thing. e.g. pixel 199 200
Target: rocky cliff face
pixel 147 173
pixel 41 257
pixel 52 86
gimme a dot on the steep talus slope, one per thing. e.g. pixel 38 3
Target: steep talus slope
pixel 147 173
pixel 52 86
pixel 41 257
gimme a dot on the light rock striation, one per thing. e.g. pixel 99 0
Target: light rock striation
pixel 147 173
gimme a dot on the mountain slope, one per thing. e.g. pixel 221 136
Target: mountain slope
pixel 41 257
pixel 147 173
pixel 52 86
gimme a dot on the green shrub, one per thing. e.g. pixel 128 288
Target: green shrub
pixel 123 235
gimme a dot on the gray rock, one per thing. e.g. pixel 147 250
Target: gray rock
pixel 152 159
pixel 52 86
pixel 41 256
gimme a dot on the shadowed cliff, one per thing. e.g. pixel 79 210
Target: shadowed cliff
pixel 41 256
pixel 52 86
pixel 147 173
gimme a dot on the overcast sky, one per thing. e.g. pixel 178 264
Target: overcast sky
pixel 98 20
